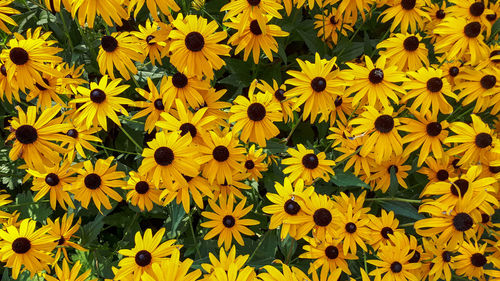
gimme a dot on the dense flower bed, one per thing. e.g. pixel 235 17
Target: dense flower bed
pixel 246 140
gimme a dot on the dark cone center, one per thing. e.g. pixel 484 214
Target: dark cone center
pixel 92 181
pixel 109 43
pixel 460 184
pixel 333 20
pixel 462 222
pixel 396 267
pixel 220 153
pixel 149 38
pixel 188 127
pixel 72 133
pixel 350 227
pixel 255 28
pixel 280 94
pixel 253 2
pixel 52 179
pixel 249 164
pixel 478 260
pixel 318 84
pixel 3 70
pixel 446 256
pixel 415 258
pixel 494 169
pixel 338 101
pixel 21 245
pixel 141 187
pixel 433 129
pixel 411 43
pixel 194 41
pixel 310 161
pixel 40 87
pixel 179 80
pixel 322 217
pixel 392 167
pixel 386 231
pixel 491 17
pixel 143 258
pixel 158 104
pixel 228 221
pixel 26 134
pixel 453 71
pixel 476 9
pixel 97 96
pixel 291 207
pixel 442 175
pixel 164 156
pixel 19 56
pixel 332 252
pixel 473 29
pixel 256 112
pixel 408 4
pixel 492 54
pixel 488 81
pixel 376 76
pixel 483 140
pixel 485 218
pixel 384 123
pixel 435 84
pixel 440 14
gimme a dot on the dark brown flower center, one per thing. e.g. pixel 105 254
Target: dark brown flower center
pixel 21 245
pixel 350 227
pixel 485 218
pixel 442 175
pixel 333 20
pixel 332 252
pixel 179 80
pixel 291 207
pixel 416 256
pixel 473 29
pixel 194 41
pixel 318 84
pixel 72 133
pixel 488 81
pixel 483 140
pixel 338 101
pixel 396 267
pixel 440 14
pixel 253 2
pixel 478 260
pixel 158 104
pixel 476 9
pixel 494 169
pixel 322 217
pixel 446 256
pixel 109 43
pixel 384 123
pixel 376 76
pixel 256 112
pixel 19 56
pixel 491 17
pixel 187 178
pixel 220 153
pixel 61 241
pixel 408 4
pixel 453 71
pixel 386 231
pixel 462 222
pixel 52 179
pixel 141 187
pixel 3 70
pixel 188 127
pixel 249 164
pixel 461 185
pixel 26 134
pixel 310 161
pixel 280 94
pixel 228 221
pixel 97 95
pixel 92 181
pixel 143 258
pixel 492 54
pixel 255 28
pixel 392 167
pixel 411 43
pixel 149 38
pixel 435 84
pixel 40 87
pixel 164 156
pixel 433 129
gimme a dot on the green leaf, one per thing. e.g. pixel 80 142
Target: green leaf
pixel 90 230
pixel 176 215
pixel 347 180
pixel 402 209
pixel 393 188
pixel 312 41
pixel 38 211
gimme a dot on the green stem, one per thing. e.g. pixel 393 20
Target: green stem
pixel 26 204
pixel 294 128
pixel 116 150
pixel 415 201
pixel 407 224
pixel 194 236
pixel 130 138
pixel 258 246
pixel 66 30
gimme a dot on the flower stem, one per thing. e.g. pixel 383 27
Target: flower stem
pixel 130 138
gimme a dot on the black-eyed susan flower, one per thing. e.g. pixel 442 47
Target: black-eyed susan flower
pixel 340 134
pixel 437 170
pixel 331 24
pixel 254 39
pixel 8 88
pixel 424 134
pixel 195 49
pixel 472 141
pixel 100 102
pixel 55 180
pixel 316 86
pixel 26 246
pixel 119 50
pixel 228 222
pixel 382 227
pixel 153 106
pixel 320 212
pixel 224 261
pixel 142 192
pixel 375 82
pixel 351 8
pixel 79 138
pixel 453 225
pixel 233 274
pixel 153 5
pixel 341 110
pixel 235 187
pixel 429 87
pixel 457 188
pixel 472 261
pixel 394 260
pixel 382 128
pixel 222 157
pixel 34 138
pixel 25 61
pixel 168 157
pixel 381 173
pixel 195 187
pixel 494 57
pixel 254 117
pixel 405 50
pixel 248 9
pixel 173 269
pixel 472 10
pixel 327 255
pixel 148 250
pixel 67 274
pixel 349 148
pixel 278 92
pixel 72 77
pixel 479 86
pixel 62 230
pixel 109 10
pixel 255 164
pixel 46 95
pixel 287 273
pixel 307 165
pixel 407 14
pixel 437 12
pixel 187 88
pixel 4 200
pixel 196 125
pixel 5 12
pixel 152 40
pixel 216 106
pixel 96 183
pixel 288 203
pixel 441 259
pixel 457 37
